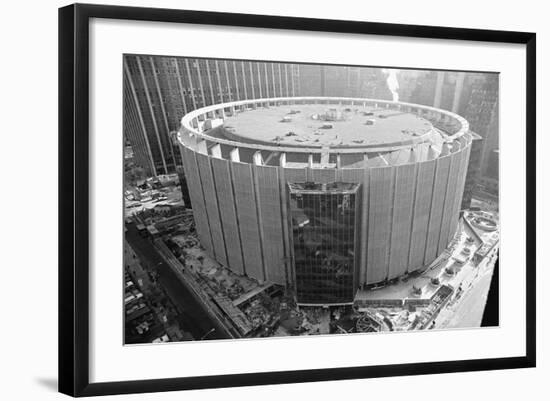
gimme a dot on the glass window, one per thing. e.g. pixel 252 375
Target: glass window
pixel 323 234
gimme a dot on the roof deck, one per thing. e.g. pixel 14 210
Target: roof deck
pixel 327 126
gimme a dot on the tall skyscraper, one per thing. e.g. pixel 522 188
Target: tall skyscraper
pixel 326 80
pixel 472 95
pixel 479 106
pixel 159 91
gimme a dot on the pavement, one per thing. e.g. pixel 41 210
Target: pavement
pixel 468 311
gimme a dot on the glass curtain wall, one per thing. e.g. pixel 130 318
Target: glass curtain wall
pixel 323 223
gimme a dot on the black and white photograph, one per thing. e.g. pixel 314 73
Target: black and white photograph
pixel 275 199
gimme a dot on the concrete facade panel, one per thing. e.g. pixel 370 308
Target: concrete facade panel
pixel 226 203
pixel 269 203
pixel 212 209
pixel 197 199
pixel 464 161
pixel 436 211
pixel 405 182
pixel 379 225
pixel 359 176
pixel 421 213
pixel 448 207
pixel 245 202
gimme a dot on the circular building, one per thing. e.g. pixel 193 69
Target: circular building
pixel 325 195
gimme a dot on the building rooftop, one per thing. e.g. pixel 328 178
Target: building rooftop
pixel 322 125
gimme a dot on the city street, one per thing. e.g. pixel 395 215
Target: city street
pixel 192 315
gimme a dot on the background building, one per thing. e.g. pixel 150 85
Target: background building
pixel 345 81
pixel 471 95
pixel 473 174
pixel 158 91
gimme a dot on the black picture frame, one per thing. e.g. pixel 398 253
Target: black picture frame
pixel 74 198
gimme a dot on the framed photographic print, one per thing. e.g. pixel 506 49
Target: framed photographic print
pixel 250 199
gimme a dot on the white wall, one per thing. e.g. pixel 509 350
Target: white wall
pixel 29 283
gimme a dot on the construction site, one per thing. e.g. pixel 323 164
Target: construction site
pixel 242 307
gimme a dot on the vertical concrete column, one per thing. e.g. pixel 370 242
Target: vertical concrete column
pixel 286 81
pixel 180 85
pixel 234 155
pixel 458 91
pixel 236 81
pixel 216 151
pixel 325 156
pixel 292 80
pixel 266 81
pixel 230 95
pixel 202 147
pixel 140 117
pixel 209 82
pixel 262 94
pixel 438 88
pixel 257 158
pixel 152 113
pixel 252 82
pixel 201 86
pixel 280 81
pixel 243 81
pixel 218 78
pixel 190 81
